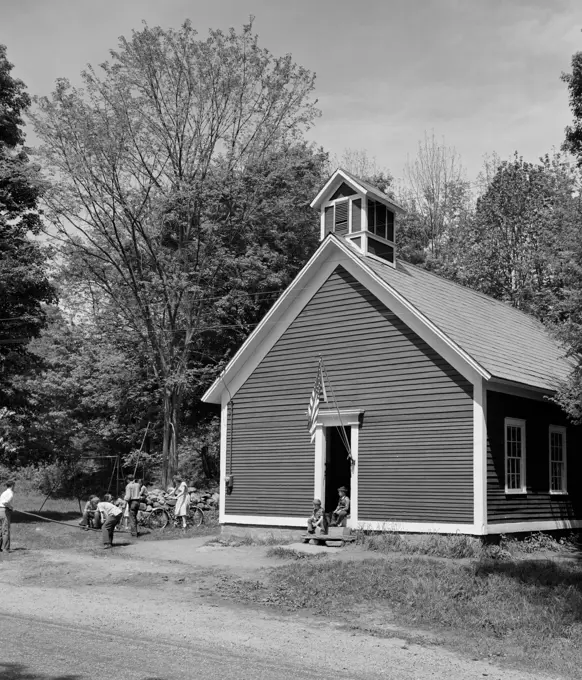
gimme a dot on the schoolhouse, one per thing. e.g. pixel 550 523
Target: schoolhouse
pixel 435 409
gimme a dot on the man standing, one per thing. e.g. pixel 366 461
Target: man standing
pixel 6 499
pixel 133 495
pixel 111 516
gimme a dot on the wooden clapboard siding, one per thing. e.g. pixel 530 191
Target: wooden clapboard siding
pixel 416 442
pixel 538 504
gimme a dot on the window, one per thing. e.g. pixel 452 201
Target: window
pixel 514 456
pixel 380 249
pixel 557 459
pixel 380 220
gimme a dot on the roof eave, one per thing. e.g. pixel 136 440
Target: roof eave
pixel 343 176
pixel 214 393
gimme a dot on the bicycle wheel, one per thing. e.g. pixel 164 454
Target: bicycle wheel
pixel 158 519
pixel 195 516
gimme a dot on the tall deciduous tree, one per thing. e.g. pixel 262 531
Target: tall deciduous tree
pixel 147 163
pixel 519 242
pixel 573 140
pixel 24 286
pixel 435 193
pixel 366 167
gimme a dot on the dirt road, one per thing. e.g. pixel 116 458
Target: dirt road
pixel 133 615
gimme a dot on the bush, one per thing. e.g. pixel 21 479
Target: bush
pixel 74 479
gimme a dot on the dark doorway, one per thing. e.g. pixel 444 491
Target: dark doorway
pixel 338 471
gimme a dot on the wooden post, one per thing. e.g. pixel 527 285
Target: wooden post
pixel 45 500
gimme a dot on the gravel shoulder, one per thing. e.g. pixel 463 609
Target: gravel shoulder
pixel 168 591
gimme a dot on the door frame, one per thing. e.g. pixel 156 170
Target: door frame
pixel 337 418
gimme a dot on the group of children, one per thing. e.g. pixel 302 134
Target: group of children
pixel 102 514
pixel 319 520
pixel 106 514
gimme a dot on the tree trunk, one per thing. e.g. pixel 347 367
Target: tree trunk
pixel 170 436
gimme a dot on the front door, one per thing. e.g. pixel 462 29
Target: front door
pixel 338 470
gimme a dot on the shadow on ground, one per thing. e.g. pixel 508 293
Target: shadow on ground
pixel 21 518
pixel 17 671
pixel 550 573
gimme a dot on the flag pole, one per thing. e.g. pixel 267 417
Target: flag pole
pixel 342 431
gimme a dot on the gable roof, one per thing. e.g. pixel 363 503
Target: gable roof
pixel 489 337
pixel 341 175
pixel 511 345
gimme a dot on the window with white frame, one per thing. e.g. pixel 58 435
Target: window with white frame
pixel 514 456
pixel 557 459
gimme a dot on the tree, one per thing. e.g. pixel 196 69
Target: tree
pixel 435 194
pixel 147 165
pixel 24 285
pixel 519 242
pixel 568 316
pixel 360 164
pixel 573 140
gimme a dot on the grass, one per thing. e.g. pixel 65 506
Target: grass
pixel 529 612
pixel 455 546
pixel 283 553
pixel 250 539
pixel 33 533
pixel 458 546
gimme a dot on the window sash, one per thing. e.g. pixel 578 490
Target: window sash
pixel 515 456
pixel 557 446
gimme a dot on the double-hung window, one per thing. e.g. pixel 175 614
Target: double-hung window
pixel 514 456
pixel 558 459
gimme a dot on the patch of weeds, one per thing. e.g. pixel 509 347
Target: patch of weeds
pixel 529 610
pixel 283 553
pixel 456 546
pixel 248 539
pixel 539 542
pixel 459 546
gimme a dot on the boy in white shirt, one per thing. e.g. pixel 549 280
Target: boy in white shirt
pixel 111 516
pixel 6 500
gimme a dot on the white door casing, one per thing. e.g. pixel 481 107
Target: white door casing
pixel 337 418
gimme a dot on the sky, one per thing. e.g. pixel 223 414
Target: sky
pixel 484 75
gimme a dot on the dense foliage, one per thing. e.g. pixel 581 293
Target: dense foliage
pixel 176 188
pixel 24 285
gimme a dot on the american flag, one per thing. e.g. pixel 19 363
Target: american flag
pixel 313 409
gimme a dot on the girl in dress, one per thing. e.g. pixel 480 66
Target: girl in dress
pixel 182 500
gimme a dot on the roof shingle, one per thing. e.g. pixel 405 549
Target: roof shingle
pixel 509 344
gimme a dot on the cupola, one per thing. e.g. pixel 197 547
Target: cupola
pixel 360 213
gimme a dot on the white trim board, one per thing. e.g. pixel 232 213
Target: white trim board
pixel 331 253
pixel 340 176
pixel 263 520
pixel 545 525
pixel 412 527
pixel 223 455
pixel 274 323
pixel 480 456
pixel 397 527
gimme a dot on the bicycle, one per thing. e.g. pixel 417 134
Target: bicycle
pixel 159 518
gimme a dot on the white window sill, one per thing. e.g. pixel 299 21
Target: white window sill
pixel 558 493
pixel 516 492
